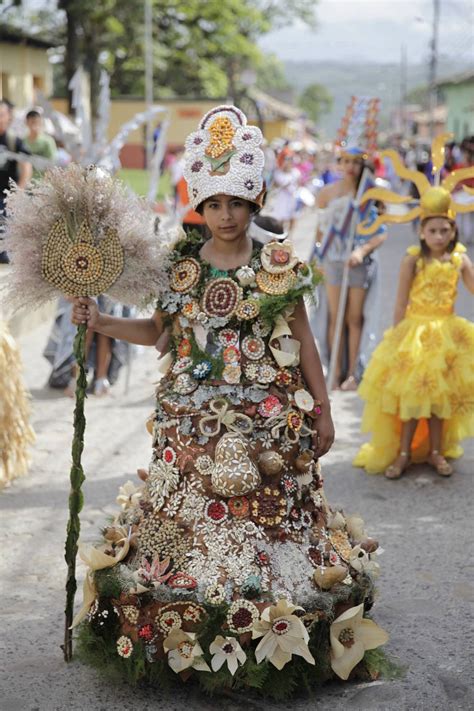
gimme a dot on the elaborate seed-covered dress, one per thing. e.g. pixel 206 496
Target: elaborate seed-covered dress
pixel 422 367
pixel 227 560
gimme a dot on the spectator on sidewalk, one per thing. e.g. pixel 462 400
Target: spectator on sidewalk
pixel 10 169
pixel 38 142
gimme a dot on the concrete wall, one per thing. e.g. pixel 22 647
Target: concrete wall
pixel 24 69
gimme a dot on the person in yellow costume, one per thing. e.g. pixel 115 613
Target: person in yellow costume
pixel 419 384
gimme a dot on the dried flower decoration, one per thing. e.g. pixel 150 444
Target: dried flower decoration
pixel 226 650
pixel 81 233
pixel 184 652
pixel 283 635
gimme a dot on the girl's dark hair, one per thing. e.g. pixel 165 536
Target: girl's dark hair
pixel 254 208
pixel 424 247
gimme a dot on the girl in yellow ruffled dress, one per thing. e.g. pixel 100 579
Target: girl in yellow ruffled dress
pixel 419 385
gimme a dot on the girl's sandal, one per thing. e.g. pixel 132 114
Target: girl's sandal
pixel 395 471
pixel 349 384
pixel 441 466
pixel 101 387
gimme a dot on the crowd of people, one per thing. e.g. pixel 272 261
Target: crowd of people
pixel 229 531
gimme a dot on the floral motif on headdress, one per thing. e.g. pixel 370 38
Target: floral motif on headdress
pixel 224 156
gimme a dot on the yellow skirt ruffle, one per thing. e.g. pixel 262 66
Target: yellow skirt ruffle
pixel 16 435
pixel 422 367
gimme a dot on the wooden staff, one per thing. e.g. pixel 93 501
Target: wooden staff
pixel 345 282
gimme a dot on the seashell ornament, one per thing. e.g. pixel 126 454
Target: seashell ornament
pixel 326 578
pixel 336 521
pixel 270 463
pixel 234 473
pixel 304 460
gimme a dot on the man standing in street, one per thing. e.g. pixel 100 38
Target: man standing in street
pixel 19 171
pixel 37 142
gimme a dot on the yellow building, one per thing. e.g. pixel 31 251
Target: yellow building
pixel 24 67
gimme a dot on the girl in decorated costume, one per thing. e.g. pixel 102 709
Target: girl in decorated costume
pixel 227 559
pixel 356 142
pixel 419 385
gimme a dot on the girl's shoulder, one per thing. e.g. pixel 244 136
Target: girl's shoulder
pixel 458 256
pixel 414 250
pixel 328 193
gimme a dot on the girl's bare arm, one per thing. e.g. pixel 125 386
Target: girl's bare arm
pixel 407 273
pixel 141 331
pixel 467 271
pixel 314 377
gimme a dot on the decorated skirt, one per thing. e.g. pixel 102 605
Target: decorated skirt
pixel 226 562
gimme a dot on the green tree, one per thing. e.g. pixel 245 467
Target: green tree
pixel 315 100
pixel 201 47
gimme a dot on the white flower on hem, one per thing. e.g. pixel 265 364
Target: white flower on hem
pixel 283 635
pixel 184 652
pixel 129 495
pixel 351 635
pixel 226 650
pixel 361 561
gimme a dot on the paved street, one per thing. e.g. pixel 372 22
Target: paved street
pixel 424 524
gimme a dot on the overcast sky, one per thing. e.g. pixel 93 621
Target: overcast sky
pixel 374 30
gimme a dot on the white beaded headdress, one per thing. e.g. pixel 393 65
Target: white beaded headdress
pixel 224 156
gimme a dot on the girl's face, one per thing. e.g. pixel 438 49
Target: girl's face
pixel 437 232
pixel 227 217
pixel 351 166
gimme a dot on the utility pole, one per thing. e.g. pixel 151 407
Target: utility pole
pixel 403 88
pixel 149 77
pixel 433 67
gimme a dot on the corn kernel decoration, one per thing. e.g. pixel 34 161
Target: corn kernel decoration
pixel 222 132
pixel 85 267
pixel 224 156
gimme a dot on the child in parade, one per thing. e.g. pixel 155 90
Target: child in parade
pixel 419 384
pixel 334 202
pixel 231 529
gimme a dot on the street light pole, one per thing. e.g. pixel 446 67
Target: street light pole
pixel 433 67
pixel 403 87
pixel 148 76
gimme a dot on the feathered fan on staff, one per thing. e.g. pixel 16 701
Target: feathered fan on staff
pixel 79 232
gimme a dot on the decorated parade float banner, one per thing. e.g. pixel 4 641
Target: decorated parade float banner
pixel 225 563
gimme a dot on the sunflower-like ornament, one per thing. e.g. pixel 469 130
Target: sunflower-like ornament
pixel 78 264
pixel 435 200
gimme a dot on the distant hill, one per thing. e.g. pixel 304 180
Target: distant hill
pixel 344 79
